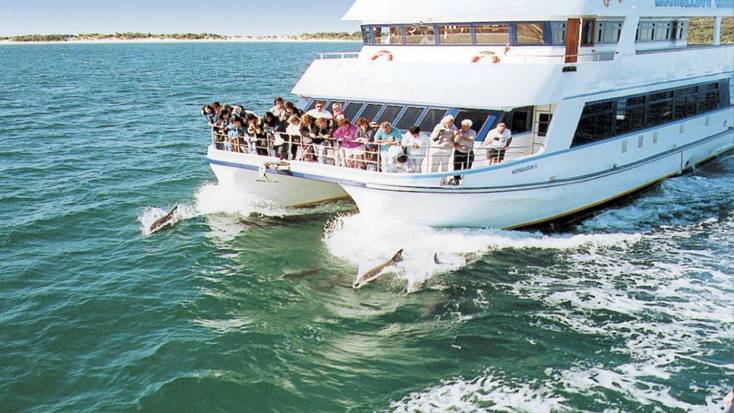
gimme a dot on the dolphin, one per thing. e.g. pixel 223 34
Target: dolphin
pixel 163 221
pixel 375 273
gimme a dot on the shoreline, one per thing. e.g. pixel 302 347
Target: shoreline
pixel 164 40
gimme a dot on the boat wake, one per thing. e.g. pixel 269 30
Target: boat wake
pixel 366 242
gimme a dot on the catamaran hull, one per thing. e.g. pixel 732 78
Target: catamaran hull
pixel 241 173
pixel 513 207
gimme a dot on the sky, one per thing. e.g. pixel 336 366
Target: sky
pixel 233 17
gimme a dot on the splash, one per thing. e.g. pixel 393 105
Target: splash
pixel 366 242
pixel 213 199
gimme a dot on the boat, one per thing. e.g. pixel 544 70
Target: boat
pixel 603 98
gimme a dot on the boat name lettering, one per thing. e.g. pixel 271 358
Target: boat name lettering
pixel 525 169
pixel 694 3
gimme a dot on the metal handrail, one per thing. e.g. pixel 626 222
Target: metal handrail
pixel 331 152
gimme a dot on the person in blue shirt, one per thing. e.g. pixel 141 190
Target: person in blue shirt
pixel 388 138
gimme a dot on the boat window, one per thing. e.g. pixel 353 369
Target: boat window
pixel 387 35
pixel 371 111
pixel 530 33
pixel 587 32
pixel 520 120
pixel 330 105
pixel 544 121
pixel 478 118
pixel 390 114
pixel 409 118
pixel 608 32
pixel 352 109
pixel 366 35
pixel 492 34
pixel 420 34
pixel 601 120
pixel 558 30
pixel 455 35
pixel 431 119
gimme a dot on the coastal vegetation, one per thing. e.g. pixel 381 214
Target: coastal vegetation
pixel 178 36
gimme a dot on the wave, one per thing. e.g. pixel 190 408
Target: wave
pixel 365 242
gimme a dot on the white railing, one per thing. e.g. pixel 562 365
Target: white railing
pixel 338 55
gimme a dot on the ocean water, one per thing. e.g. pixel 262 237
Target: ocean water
pixel 247 307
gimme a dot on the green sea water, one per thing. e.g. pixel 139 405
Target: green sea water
pixel 247 307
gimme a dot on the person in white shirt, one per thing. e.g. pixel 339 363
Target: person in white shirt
pixel 415 144
pixel 497 142
pixel 319 112
pixel 336 110
pixel 439 157
pixel 294 134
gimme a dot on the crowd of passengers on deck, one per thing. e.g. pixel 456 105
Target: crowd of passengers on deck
pixel 329 137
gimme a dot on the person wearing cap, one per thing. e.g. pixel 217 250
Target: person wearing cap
pixel 464 147
pixel 442 146
pixel 497 142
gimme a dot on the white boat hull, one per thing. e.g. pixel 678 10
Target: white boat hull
pixel 240 172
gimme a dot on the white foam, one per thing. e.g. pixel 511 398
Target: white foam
pixel 366 242
pixel 212 199
pixel 483 394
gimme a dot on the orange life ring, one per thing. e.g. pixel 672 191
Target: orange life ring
pixel 382 53
pixel 481 55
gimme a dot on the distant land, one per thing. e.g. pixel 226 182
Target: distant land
pixel 134 36
pixel 700 32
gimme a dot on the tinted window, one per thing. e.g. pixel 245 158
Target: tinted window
pixel 520 120
pixel 530 33
pixel 587 32
pixel 387 35
pixel 352 109
pixel 559 33
pixel 433 117
pixel 366 35
pixel 409 118
pixel 370 111
pixel 478 118
pixel 420 34
pixel 458 35
pixel 601 120
pixel 390 114
pixel 544 121
pixel 489 34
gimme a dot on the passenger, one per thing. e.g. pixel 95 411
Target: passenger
pixel 278 110
pixel 346 135
pixel 239 111
pixel 294 135
pixel 217 107
pixel 236 133
pixel 319 112
pixel 442 138
pixel 497 142
pixel 336 109
pixel 220 129
pixel 464 147
pixel 365 136
pixel 322 138
pixel 272 129
pixel 308 127
pixel 255 136
pixel 415 144
pixel 210 114
pixel 389 140
pixel 292 110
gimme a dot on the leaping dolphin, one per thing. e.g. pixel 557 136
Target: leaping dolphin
pixel 162 222
pixel 376 272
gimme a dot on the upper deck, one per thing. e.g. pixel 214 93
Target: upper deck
pixel 427 11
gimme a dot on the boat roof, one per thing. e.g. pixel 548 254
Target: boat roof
pixel 455 11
